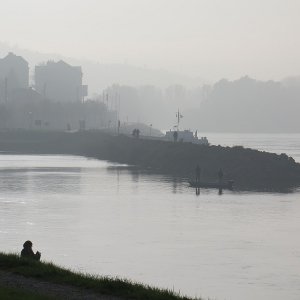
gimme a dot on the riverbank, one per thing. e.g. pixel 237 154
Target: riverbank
pixel 250 169
pixel 26 279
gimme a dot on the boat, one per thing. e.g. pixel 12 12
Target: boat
pixel 184 136
pixel 217 185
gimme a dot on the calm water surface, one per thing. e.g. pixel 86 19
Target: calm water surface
pixel 98 217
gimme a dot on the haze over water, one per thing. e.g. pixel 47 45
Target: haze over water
pixel 99 217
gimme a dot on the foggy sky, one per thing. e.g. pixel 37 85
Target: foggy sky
pixel 211 39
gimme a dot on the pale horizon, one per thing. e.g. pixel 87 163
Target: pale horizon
pixel 206 39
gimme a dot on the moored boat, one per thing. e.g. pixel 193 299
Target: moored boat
pixel 185 136
pixel 217 185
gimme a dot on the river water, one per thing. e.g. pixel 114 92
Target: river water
pixel 103 218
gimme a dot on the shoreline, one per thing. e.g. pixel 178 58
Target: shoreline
pixel 251 170
pixel 43 280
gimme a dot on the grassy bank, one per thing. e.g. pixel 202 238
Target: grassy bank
pixel 124 289
pixel 8 293
pixel 250 169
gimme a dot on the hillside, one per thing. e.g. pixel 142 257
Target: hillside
pixel 248 105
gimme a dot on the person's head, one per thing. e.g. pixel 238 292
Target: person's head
pixel 27 244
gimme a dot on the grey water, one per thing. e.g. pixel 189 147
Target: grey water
pixel 103 218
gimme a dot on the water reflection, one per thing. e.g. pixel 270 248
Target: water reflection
pixel 138 176
pixel 177 184
pixel 220 191
pixel 11 183
pixel 56 182
pixel 135 175
pixel 40 179
pixel 217 247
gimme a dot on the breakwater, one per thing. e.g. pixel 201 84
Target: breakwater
pixel 250 169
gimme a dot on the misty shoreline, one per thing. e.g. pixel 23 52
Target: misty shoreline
pixel 251 170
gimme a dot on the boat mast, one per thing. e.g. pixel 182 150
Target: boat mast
pixel 179 116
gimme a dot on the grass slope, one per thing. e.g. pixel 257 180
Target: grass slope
pixel 125 289
pixel 19 294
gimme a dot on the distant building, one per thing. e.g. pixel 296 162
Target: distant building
pixel 25 96
pixel 14 74
pixel 60 81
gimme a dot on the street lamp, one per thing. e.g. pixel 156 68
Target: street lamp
pixel 30 119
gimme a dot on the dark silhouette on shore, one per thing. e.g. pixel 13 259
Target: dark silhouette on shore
pixel 220 175
pixel 27 251
pixel 175 136
pixel 136 133
pixel 198 173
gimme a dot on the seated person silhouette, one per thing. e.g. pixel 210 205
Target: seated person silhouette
pixel 28 253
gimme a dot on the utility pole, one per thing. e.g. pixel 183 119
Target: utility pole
pixel 5 90
pixel 45 90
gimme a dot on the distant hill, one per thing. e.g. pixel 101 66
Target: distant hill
pixel 249 105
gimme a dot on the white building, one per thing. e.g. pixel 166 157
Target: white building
pixel 14 74
pixel 60 82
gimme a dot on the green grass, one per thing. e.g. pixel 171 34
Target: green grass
pixel 98 284
pixel 8 293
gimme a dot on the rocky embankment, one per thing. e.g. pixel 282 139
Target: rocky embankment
pixel 250 169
